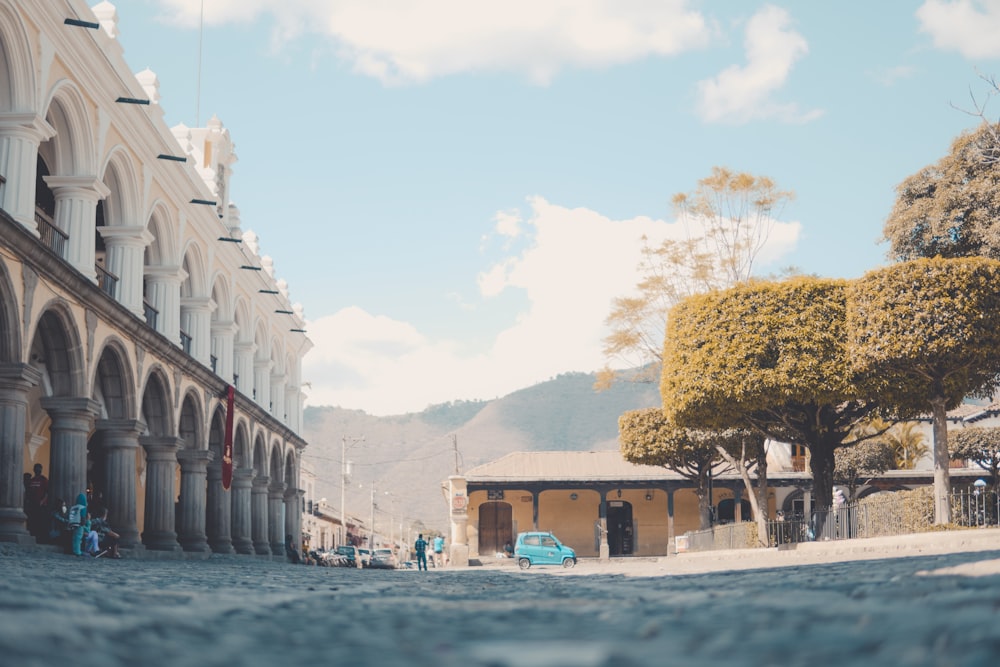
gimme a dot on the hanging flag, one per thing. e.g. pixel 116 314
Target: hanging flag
pixel 227 443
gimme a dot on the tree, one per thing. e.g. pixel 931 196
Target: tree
pixel 990 147
pixel 950 208
pixel 929 329
pixel 980 445
pixel 728 219
pixel 906 441
pixel 868 458
pixel 771 356
pixel 647 438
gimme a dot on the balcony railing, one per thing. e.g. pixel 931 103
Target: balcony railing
pixel 151 313
pixel 107 281
pixel 185 341
pixel 52 237
pixel 215 362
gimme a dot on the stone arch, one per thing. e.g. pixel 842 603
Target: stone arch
pixel 114 383
pixel 217 434
pixel 162 250
pixel 259 455
pixel 241 315
pixel 275 469
pixel 291 474
pixel 71 152
pixel 195 283
pixel 17 71
pixel 56 351
pixel 222 295
pixel 122 207
pixel 189 423
pixel 156 407
pixel 241 447
pixel 10 330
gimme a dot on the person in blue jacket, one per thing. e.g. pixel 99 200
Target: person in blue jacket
pixel 79 524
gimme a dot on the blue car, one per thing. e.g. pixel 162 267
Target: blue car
pixel 541 548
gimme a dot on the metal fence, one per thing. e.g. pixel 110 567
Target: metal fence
pixel 878 516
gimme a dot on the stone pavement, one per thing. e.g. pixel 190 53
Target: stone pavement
pixel 861 608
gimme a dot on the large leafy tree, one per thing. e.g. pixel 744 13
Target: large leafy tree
pixel 906 440
pixel 648 438
pixel 727 218
pixel 950 208
pixel 929 329
pixel 771 356
pixel 868 458
pixel 980 445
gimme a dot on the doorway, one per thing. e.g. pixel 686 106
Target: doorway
pixel 496 527
pixel 621 532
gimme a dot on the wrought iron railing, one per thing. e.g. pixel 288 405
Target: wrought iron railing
pixel 107 281
pixel 51 236
pixel 151 313
pixel 185 341
pixel 975 507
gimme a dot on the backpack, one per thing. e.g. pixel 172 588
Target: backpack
pixel 74 515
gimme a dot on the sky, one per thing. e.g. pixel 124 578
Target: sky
pixel 456 190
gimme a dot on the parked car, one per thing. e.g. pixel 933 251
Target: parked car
pixel 541 548
pixel 366 557
pixel 346 556
pixel 383 559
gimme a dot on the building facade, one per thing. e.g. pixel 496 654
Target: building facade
pixel 130 301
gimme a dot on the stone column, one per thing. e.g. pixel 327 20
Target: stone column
pixel 163 284
pixel 223 332
pixel 72 419
pixel 20 135
pixel 196 320
pixel 261 382
pixel 458 551
pixel 194 485
pixel 604 549
pixel 120 442
pixel 243 367
pixel 277 398
pixel 258 506
pixel 76 214
pixel 161 466
pixel 125 246
pixel 16 380
pixel 293 515
pixel 276 517
pixel 242 526
pixel 218 519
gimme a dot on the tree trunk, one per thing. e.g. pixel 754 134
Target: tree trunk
pixel 821 462
pixel 758 516
pixel 701 492
pixel 762 497
pixel 942 481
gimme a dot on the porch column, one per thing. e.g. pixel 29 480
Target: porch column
pixel 243 367
pixel 163 284
pixel 191 514
pixel 125 246
pixel 276 517
pixel 120 442
pixel 277 399
pixel 222 348
pixel 218 519
pixel 603 549
pixel 293 515
pixel 262 382
pixel 161 465
pixel 671 534
pixel 76 214
pixel 20 136
pixel 16 380
pixel 72 419
pixel 196 320
pixel 458 550
pixel 258 504
pixel 241 519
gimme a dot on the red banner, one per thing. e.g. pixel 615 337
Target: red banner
pixel 227 443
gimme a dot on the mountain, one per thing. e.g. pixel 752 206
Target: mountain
pixel 410 455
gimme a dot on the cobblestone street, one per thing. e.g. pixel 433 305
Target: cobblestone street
pixel 57 610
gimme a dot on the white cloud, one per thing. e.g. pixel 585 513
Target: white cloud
pixel 575 263
pixel 971 27
pixel 417 40
pixel 741 94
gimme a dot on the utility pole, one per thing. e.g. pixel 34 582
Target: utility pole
pixel 371 528
pixel 454 444
pixel 344 472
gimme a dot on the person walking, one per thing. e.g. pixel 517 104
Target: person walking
pixel 37 503
pixel 420 546
pixel 438 551
pixel 79 524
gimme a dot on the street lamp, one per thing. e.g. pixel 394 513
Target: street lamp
pixel 344 472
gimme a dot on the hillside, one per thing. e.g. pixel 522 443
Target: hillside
pixel 410 455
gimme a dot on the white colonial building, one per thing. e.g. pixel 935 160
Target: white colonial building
pixel 130 300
